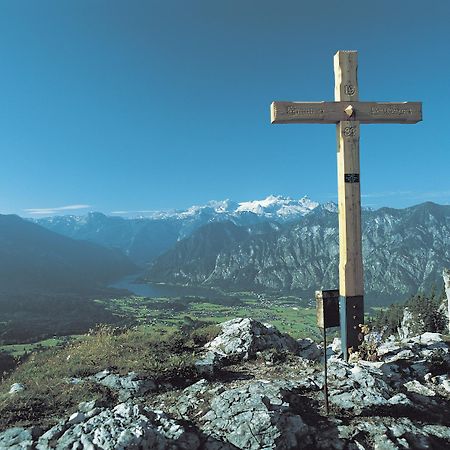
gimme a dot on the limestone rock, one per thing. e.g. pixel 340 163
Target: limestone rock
pixel 442 382
pixel 124 427
pixel 419 388
pixel 127 386
pixel 87 407
pixel 16 387
pixel 389 347
pixel 76 417
pixel 399 433
pixel 208 364
pixel 241 339
pixel 336 345
pixel 357 388
pixel 195 399
pixel 19 438
pixel 257 416
pixel 425 339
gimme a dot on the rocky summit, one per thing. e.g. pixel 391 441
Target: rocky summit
pixel 260 389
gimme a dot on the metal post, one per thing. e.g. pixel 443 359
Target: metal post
pixel 325 384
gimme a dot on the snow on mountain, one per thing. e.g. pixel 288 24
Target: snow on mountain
pixel 223 206
pixel 212 207
pixel 330 206
pixel 274 207
pixel 278 206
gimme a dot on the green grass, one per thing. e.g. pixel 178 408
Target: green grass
pixel 284 313
pixel 160 355
pixel 18 350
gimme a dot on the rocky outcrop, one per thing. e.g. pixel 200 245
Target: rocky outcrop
pixel 127 386
pixel 243 338
pixel 258 416
pixel 18 438
pixel 126 426
pixel 399 401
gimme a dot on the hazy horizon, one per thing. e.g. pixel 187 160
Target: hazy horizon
pixel 82 210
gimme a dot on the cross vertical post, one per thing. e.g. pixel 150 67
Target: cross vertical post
pixel 351 285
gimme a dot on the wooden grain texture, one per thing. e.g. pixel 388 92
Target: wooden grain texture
pixel 346 76
pixel 349 194
pixel 334 112
pixel 349 203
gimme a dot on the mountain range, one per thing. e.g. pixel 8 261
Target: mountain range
pixel 404 250
pixel 276 245
pixel 144 238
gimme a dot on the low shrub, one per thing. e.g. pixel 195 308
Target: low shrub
pixel 7 364
pixel 425 311
pixel 200 336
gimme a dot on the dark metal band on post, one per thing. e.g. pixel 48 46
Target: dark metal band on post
pixel 351 311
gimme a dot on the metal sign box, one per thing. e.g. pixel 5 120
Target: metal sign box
pixel 327 304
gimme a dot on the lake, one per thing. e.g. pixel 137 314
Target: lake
pixel 161 290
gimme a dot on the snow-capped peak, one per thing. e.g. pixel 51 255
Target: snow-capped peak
pixel 213 206
pixel 222 206
pixel 278 206
pixel 275 207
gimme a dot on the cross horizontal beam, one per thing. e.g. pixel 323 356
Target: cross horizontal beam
pixel 335 112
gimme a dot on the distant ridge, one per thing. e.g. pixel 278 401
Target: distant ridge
pixel 33 258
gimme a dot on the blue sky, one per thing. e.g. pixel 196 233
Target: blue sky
pixel 146 105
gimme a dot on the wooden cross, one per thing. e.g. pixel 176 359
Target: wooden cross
pixel 347 112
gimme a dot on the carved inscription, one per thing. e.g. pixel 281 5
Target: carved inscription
pixel 391 110
pixel 349 131
pixel 349 89
pixel 304 111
